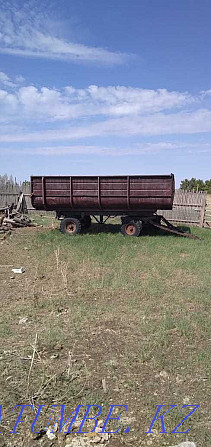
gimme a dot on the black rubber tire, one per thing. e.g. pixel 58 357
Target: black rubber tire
pixel 131 228
pixel 86 222
pixel 71 226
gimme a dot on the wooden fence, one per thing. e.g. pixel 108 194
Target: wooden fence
pixel 9 194
pixel 207 217
pixel 192 208
pixel 188 207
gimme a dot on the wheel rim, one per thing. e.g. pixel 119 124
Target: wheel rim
pixel 71 227
pixel 130 229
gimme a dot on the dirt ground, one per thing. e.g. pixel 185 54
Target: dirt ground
pixel 100 319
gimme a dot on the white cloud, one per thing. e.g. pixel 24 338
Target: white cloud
pixel 135 149
pixel 69 103
pixel 98 111
pixel 6 81
pixel 21 34
pixel 205 93
pixel 161 124
pixel 156 124
pixel 19 79
pixel 120 100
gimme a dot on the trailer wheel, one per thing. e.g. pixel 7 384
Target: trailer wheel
pixel 86 222
pixel 131 228
pixel 71 226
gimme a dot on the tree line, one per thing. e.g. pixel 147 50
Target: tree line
pixel 10 181
pixel 196 185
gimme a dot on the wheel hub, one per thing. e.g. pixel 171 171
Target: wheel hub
pixel 130 229
pixel 71 227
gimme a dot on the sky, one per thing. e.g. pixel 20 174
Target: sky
pixel 94 87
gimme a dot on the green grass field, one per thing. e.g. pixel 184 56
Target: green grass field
pixel 117 320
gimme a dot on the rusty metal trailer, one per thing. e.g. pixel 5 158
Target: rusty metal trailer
pixel 135 198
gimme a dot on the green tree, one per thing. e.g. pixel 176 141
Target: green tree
pixel 189 185
pixel 185 185
pixel 208 186
pixel 195 185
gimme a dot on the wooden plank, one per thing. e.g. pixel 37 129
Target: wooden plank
pixel 203 209
pixel 9 193
pixel 191 205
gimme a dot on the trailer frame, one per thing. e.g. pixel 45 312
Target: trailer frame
pixel 156 220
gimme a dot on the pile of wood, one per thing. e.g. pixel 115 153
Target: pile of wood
pixel 13 217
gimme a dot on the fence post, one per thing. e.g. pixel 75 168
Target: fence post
pixel 203 210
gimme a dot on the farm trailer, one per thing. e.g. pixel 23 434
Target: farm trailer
pixel 134 198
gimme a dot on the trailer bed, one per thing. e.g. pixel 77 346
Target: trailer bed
pixel 103 194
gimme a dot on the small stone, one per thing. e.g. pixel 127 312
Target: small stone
pixel 95 440
pixel 50 435
pixel 23 320
pixel 104 437
pixel 164 374
pixel 54 356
